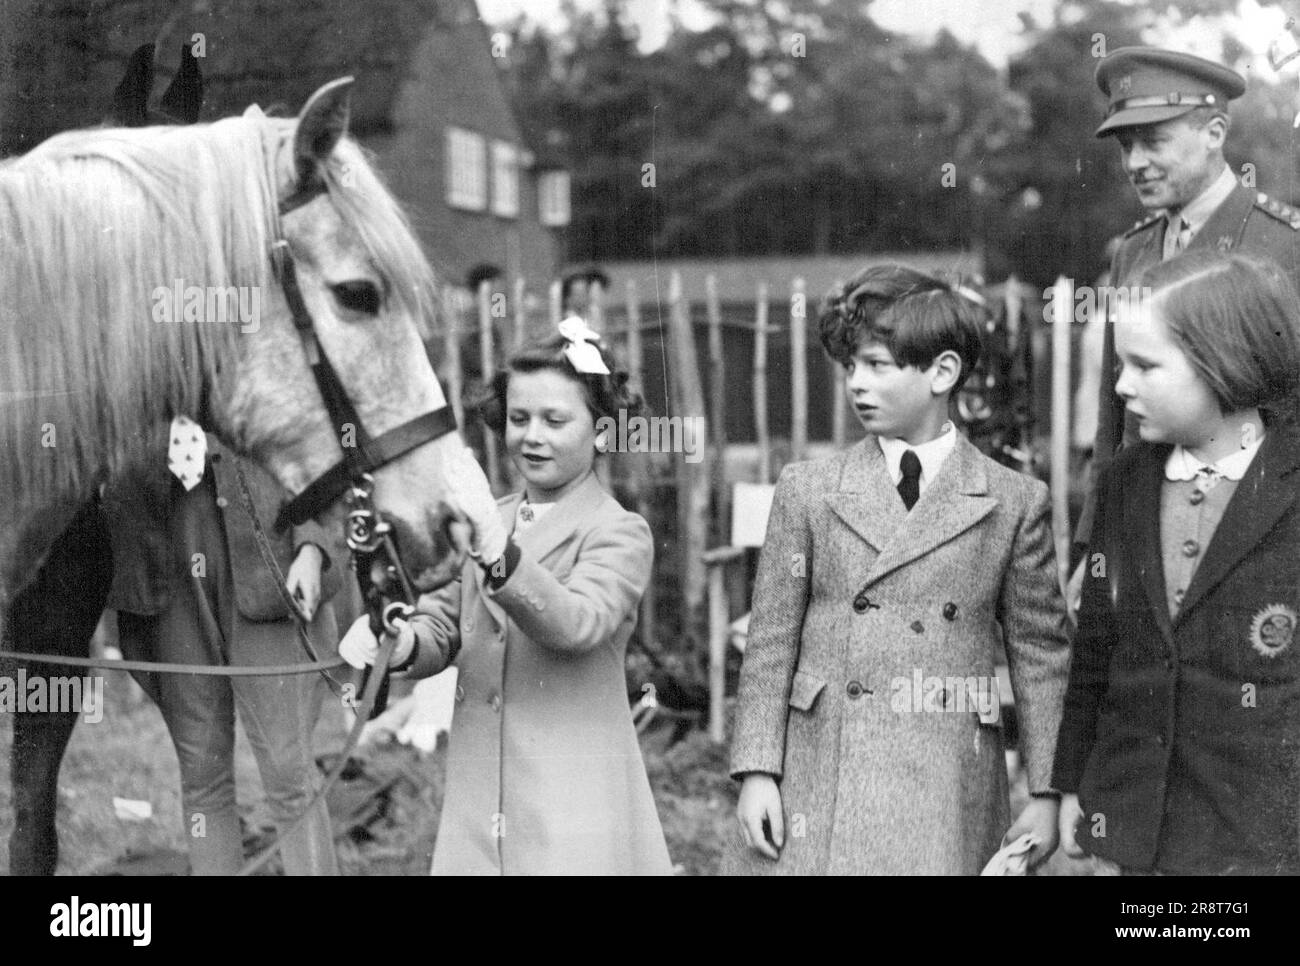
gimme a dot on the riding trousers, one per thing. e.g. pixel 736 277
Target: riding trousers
pixel 202 625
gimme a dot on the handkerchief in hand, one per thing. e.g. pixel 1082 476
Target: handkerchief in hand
pixel 1013 858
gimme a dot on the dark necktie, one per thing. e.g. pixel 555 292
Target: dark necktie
pixel 909 487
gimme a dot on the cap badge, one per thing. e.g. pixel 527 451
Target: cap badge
pixel 1125 84
pixel 1225 243
pixel 1272 629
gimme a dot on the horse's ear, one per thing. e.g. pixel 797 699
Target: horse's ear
pixel 131 98
pixel 321 125
pixel 183 99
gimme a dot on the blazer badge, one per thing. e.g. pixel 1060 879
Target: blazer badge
pixel 1272 629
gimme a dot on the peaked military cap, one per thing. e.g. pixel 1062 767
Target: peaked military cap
pixel 1147 85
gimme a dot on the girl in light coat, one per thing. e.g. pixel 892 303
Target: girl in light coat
pixel 544 773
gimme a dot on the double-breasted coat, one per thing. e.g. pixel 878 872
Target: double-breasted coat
pixel 1182 736
pixel 1246 221
pixel 858 606
pixel 544 772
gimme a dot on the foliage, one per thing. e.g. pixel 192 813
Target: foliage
pixel 802 126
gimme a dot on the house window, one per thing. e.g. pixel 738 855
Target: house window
pixel 466 169
pixel 505 180
pixel 553 198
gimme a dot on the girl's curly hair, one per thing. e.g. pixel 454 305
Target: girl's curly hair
pixel 606 395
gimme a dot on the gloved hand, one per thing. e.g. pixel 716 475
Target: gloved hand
pixel 360 647
pixel 488 542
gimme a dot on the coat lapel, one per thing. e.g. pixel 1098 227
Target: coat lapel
pixel 1141 518
pixel 954 502
pixel 1223 229
pixel 867 500
pixel 1265 493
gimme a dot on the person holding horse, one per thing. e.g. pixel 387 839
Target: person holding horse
pixel 191 586
pixel 544 773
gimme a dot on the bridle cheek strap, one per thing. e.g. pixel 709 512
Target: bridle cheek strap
pixel 366 453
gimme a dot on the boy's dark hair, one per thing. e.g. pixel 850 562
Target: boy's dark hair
pixel 1237 319
pixel 607 395
pixel 588 273
pixel 914 315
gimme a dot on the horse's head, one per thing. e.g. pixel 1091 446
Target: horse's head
pixel 368 292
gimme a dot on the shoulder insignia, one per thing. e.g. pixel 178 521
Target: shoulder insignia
pixel 1279 210
pixel 1144 224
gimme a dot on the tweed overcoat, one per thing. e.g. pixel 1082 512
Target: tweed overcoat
pixel 1246 221
pixel 544 772
pixel 857 603
pixel 1182 736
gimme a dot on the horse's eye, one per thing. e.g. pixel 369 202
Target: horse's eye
pixel 357 296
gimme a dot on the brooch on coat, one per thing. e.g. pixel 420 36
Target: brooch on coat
pixel 1272 629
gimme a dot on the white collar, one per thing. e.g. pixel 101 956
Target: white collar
pixel 1198 211
pixel 1182 465
pixel 931 454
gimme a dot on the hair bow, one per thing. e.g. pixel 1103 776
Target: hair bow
pixel 581 346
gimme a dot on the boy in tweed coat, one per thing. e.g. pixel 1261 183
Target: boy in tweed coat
pixel 867 731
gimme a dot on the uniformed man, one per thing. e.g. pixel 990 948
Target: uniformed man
pixel 1169 113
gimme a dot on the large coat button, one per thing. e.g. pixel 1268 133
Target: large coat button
pixel 861 604
pixel 918 627
pixel 950 611
pixel 855 689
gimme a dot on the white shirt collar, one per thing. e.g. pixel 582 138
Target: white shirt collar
pixel 931 454
pixel 1182 465
pixel 1198 211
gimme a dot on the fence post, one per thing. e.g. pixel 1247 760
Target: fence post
pixel 717 409
pixel 451 350
pixel 693 486
pixel 521 313
pixel 761 434
pixel 1062 317
pixel 640 477
pixel 487 363
pixel 798 370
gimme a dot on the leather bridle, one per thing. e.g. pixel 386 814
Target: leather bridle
pixel 368 453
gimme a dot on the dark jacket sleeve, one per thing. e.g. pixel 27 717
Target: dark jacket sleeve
pixel 1094 642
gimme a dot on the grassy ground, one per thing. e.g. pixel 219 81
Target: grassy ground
pixel 386 818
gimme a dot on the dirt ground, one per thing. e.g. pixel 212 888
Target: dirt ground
pixel 385 812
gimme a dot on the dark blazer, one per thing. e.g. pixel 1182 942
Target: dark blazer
pixel 1246 221
pixel 1182 738
pixel 147 568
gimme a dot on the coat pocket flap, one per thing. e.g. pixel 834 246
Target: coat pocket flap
pixel 804 690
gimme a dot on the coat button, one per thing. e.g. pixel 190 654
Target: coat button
pixel 1160 740
pixel 918 627
pixel 861 604
pixel 1196 497
pixel 222 502
pixel 1191 548
pixel 855 689
pixel 1179 594
pixel 950 611
pixel 495 701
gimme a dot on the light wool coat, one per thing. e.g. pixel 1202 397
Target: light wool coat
pixel 544 772
pixel 869 782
